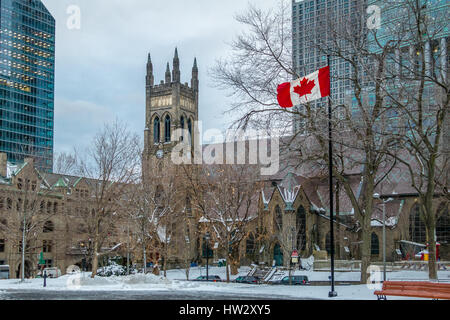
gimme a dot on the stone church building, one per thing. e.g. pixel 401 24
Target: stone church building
pixel 290 212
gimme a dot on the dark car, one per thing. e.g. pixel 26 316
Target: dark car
pixel 247 279
pixel 296 280
pixel 210 278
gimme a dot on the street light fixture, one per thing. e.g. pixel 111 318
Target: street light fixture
pixel 207 237
pixel 377 196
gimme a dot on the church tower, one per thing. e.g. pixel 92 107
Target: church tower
pixel 169 105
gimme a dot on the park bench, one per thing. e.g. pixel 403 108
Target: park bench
pixel 416 289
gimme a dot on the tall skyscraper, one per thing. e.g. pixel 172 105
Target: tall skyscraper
pixel 27 67
pixel 310 25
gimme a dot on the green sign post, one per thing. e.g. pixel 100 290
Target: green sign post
pixel 41 258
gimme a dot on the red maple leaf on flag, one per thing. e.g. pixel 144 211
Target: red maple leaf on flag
pixel 305 87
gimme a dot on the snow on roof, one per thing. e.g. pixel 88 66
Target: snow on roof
pixel 390 222
pixel 203 220
pixel 11 169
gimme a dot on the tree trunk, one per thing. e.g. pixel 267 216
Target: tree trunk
pixel 365 248
pixel 228 267
pixel 290 274
pixel 187 271
pixel 144 258
pixel 234 265
pixel 95 258
pixel 166 250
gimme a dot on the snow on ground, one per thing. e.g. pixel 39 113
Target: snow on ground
pixel 176 281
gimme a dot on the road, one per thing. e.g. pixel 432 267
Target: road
pixel 131 295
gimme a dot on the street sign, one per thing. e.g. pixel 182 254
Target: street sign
pixel 294 256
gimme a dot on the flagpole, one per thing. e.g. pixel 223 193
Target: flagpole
pixel 332 293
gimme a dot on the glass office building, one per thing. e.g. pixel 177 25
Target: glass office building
pixel 310 20
pixel 406 62
pixel 27 67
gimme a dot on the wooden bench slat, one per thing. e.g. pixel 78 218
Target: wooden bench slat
pixel 417 289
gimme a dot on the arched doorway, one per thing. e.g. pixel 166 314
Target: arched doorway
pixel 27 270
pixel 278 255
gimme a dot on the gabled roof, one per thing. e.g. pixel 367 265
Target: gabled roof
pixel 60 184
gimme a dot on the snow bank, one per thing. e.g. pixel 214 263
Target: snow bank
pixel 175 281
pixel 141 278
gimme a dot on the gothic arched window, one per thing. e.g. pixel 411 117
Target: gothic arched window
pixel 167 129
pixel 182 127
pixel 443 224
pixel 156 130
pixel 250 245
pixel 417 231
pixel 301 228
pixel 278 218
pixel 374 244
pixel 189 123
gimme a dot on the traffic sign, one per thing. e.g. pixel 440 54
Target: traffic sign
pixel 294 254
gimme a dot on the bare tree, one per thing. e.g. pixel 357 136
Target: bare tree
pixel 111 165
pixel 262 60
pixel 34 210
pixel 156 216
pixel 417 87
pixel 65 163
pixel 226 195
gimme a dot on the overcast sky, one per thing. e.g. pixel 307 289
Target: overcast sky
pixel 100 68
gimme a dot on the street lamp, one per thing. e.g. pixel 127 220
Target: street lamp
pixel 207 255
pixel 377 196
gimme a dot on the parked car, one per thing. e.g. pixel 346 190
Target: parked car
pixel 247 279
pixel 212 278
pixel 296 280
pixel 53 272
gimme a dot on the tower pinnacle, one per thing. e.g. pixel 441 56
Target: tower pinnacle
pixel 194 79
pixel 176 67
pixel 168 80
pixel 150 78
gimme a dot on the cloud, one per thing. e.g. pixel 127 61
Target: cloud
pixel 77 121
pixel 100 68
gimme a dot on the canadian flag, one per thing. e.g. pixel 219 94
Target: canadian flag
pixel 303 90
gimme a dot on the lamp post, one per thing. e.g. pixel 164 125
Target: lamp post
pixel 377 196
pixel 207 255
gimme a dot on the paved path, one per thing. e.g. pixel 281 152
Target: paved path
pixel 132 295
